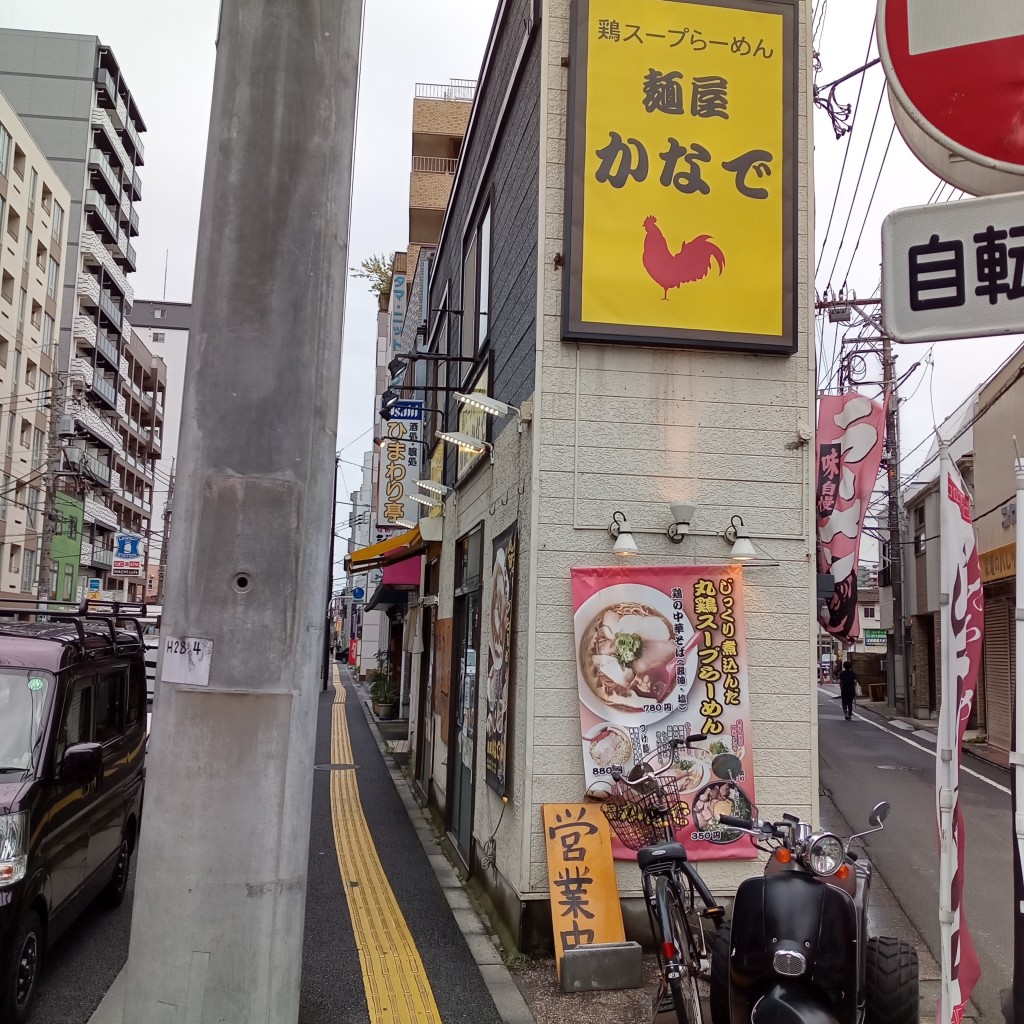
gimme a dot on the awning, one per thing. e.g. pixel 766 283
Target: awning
pixel 387 597
pixel 375 554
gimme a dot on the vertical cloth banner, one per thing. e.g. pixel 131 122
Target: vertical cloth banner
pixel 662 653
pixel 851 432
pixel 962 631
pixel 499 655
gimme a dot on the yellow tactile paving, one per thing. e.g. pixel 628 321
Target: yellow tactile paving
pixel 397 988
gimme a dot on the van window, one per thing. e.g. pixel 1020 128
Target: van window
pixel 133 711
pixel 110 697
pixel 77 724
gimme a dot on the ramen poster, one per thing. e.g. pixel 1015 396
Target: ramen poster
pixel 661 654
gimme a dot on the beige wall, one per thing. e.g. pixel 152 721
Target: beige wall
pixel 993 450
pixel 23 360
pixel 634 429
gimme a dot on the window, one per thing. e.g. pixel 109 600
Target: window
pixel 919 533
pixel 5 151
pixel 69 582
pixel 52 278
pixel 7 287
pixel 33 508
pixel 48 325
pixel 43 396
pixel 72 528
pixel 483 290
pixel 25 434
pixel 19 161
pixel 30 375
pixel 159 337
pixel 869 611
pixel 13 223
pixel 22 306
pixel 28 570
pixel 47 199
pixel 38 447
pixel 58 221
pixel 37 314
pixel 16 376
pixel 28 249
pixel 159 314
pixel 77 724
pixel 41 255
pixel 468 318
pixel 14 559
pixel 133 709
pixel 474 422
pixel 110 695
pixel 33 183
pixel 5 487
pixel 10 432
pixel 3 210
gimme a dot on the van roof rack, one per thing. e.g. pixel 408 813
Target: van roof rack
pixel 78 613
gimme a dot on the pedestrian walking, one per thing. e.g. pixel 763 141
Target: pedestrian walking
pixel 847 688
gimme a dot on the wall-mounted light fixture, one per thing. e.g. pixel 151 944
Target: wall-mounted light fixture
pixel 739 536
pixel 465 443
pixel 406 524
pixel 495 407
pixel 625 546
pixel 682 516
pixel 426 502
pixel 433 487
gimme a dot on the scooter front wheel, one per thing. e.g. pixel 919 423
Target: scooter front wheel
pixel 891 991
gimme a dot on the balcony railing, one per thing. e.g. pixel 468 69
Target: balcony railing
pixel 130 257
pixel 95 248
pixel 435 164
pixel 94 203
pixel 109 307
pixel 89 287
pixel 81 459
pixel 133 223
pixel 106 348
pixel 106 88
pixel 104 390
pixel 103 557
pixel 133 135
pixel 460 89
pixel 99 117
pixel 83 369
pixel 99 162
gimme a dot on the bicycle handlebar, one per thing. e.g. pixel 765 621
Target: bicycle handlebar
pixel 731 821
pixel 653 773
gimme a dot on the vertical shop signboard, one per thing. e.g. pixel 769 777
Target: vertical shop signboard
pixel 443 688
pixel 499 655
pixel 662 654
pixel 585 907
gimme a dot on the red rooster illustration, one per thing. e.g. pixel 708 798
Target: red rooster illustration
pixel 691 263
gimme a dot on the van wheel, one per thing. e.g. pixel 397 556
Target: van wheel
pixel 720 974
pixel 113 895
pixel 21 971
pixel 891 986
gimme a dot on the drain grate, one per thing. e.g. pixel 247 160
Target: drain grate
pixel 335 767
pixel 897 768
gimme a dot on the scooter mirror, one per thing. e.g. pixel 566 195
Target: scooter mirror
pixel 727 766
pixel 878 814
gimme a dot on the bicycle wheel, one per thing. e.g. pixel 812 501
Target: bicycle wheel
pixel 680 959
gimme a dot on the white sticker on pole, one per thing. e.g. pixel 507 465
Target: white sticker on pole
pixel 187 660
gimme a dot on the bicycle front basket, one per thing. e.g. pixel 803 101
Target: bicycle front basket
pixel 637 813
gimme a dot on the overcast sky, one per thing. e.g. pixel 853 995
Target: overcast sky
pixel 167 54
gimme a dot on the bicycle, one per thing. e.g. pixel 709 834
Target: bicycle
pixel 645 809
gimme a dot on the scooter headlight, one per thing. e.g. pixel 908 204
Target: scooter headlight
pixel 826 854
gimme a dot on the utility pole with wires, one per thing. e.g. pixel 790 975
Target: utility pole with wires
pixel 168 511
pixel 853 371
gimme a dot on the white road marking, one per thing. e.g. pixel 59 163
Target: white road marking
pixel 931 753
pixel 945 24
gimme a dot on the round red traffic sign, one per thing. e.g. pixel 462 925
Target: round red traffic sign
pixel 956 68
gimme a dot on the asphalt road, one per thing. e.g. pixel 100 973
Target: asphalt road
pixel 868 759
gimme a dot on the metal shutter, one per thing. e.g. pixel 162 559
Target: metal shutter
pixel 998 673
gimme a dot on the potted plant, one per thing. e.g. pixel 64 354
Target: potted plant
pixel 387 698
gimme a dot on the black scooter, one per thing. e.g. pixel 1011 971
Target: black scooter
pixel 796 949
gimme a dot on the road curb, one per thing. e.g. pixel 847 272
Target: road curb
pixel 483 946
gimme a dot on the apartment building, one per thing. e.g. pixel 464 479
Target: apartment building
pixel 33 242
pixel 70 92
pixel 164 328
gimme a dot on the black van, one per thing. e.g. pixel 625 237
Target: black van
pixel 72 764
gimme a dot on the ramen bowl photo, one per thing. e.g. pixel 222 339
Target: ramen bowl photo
pixel 609 745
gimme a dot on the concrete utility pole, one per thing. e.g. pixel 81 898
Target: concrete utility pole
pixel 892 454
pixel 217 930
pixel 161 573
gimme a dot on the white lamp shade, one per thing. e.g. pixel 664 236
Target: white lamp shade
pixel 625 546
pixel 742 550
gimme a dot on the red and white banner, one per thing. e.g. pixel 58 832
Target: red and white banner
pixel 962 638
pixel 851 432
pixel 662 653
